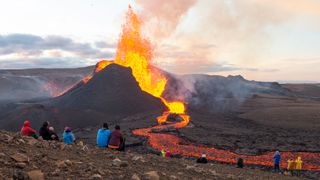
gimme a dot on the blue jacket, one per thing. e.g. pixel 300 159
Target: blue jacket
pixel 68 137
pixel 103 138
pixel 277 159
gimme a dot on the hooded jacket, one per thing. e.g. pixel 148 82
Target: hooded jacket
pixel 68 137
pixel 26 130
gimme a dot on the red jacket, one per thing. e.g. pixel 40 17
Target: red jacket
pixel 26 130
pixel 115 138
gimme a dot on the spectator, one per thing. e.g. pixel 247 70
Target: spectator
pixel 54 135
pixel 240 163
pixel 68 136
pixel 277 159
pixel 116 141
pixel 103 136
pixel 202 159
pixel 26 130
pixel 44 131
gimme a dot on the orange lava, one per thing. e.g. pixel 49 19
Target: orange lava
pixel 54 90
pixel 177 146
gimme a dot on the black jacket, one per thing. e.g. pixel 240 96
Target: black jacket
pixel 202 160
pixel 45 133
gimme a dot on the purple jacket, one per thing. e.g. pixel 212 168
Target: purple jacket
pixel 115 138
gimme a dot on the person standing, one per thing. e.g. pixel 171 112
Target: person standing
pixel 277 159
pixel 103 136
pixel 298 163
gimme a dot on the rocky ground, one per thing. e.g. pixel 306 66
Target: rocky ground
pixel 27 158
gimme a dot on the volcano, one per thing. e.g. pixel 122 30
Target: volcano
pixel 113 91
pixel 111 95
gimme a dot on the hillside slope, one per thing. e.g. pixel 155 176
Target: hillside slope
pixel 24 157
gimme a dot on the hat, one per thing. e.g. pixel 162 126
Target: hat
pixel 67 129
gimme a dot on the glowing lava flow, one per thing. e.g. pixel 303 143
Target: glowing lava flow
pixel 177 146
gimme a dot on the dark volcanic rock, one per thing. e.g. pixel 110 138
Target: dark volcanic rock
pixel 113 90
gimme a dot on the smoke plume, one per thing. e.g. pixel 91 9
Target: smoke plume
pixel 163 16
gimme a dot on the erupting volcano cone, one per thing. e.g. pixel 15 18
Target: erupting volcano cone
pixel 112 90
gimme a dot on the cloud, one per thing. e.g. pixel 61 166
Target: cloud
pixel 31 44
pixel 17 50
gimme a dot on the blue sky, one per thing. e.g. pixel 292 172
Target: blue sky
pixel 259 39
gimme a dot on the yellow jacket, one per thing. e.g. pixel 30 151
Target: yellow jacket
pixel 298 163
pixel 163 153
pixel 291 165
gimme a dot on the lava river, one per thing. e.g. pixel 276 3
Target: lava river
pixel 177 146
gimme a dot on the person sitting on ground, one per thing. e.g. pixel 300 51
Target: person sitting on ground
pixel 68 136
pixel 116 140
pixel 240 163
pixel 277 159
pixel 103 136
pixel 298 164
pixel 202 159
pixel 26 130
pixel 54 135
pixel 44 131
pixel 168 154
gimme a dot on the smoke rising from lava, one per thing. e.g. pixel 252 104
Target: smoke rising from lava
pixel 163 16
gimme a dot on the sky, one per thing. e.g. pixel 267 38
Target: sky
pixel 262 40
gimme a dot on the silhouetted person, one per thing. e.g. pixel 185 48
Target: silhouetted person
pixel 116 141
pixel 44 131
pixel 240 163
pixel 202 159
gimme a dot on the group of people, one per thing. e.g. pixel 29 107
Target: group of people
pixel 112 140
pixel 165 153
pixel 115 140
pixel 105 138
pixel 293 166
pixel 47 132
